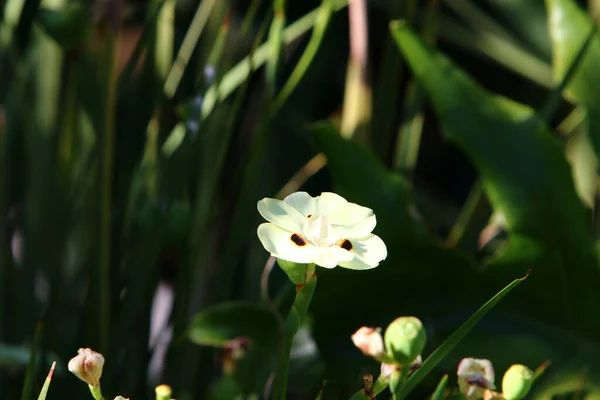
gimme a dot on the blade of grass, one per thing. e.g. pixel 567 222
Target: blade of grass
pixel 321 22
pixel 409 135
pixel 445 348
pixel 238 74
pixel 106 142
pixel 187 47
pixel 44 391
pixel 33 362
pixel 478 19
pixel 438 394
pixel 275 42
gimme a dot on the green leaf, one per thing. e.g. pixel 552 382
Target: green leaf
pixel 221 323
pixel 224 322
pixel 439 390
pixel 296 272
pixel 521 166
pixel 570 26
pixel 442 351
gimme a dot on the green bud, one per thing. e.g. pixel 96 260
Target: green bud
pixel 405 339
pixel 516 382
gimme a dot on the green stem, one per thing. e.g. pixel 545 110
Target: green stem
pixel 96 392
pixel 293 323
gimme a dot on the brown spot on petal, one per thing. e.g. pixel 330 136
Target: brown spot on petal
pixel 298 240
pixel 346 245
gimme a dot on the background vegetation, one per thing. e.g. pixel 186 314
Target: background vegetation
pixel 137 137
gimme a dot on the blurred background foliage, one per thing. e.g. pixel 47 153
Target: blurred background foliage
pixel 137 136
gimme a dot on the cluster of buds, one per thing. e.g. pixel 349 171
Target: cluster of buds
pixel 401 345
pixel 398 350
pixel 87 365
pixel 476 380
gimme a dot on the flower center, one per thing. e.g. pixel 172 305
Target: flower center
pixel 317 230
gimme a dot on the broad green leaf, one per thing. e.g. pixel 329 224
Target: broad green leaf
pixel 221 323
pixel 446 347
pixel 527 178
pixel 224 322
pixel 570 26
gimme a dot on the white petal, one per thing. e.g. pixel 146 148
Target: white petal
pixel 281 214
pixel 278 242
pixel 303 202
pixel 368 252
pixel 328 202
pixel 353 221
pixel 330 257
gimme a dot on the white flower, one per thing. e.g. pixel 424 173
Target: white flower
pixel 325 230
pixel 475 377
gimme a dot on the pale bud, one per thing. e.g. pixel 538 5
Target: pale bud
pixel 475 377
pixel 87 366
pixel 516 382
pixel 370 342
pixel 163 392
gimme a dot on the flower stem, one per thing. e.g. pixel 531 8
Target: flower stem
pixel 304 294
pixel 96 392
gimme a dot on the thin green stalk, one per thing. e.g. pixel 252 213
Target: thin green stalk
pixel 96 392
pixel 321 23
pixel 33 362
pixel 240 72
pixel 465 217
pixel 275 43
pixel 293 323
pixel 187 47
pixel 106 176
pixel 409 136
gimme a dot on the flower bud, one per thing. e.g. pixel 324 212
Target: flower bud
pixel 386 371
pixel 475 377
pixel 87 366
pixel 370 342
pixel 163 392
pixel 405 339
pixel 121 398
pixel 516 382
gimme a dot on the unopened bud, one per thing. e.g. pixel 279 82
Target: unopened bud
pixel 163 392
pixel 475 377
pixel 121 398
pixel 405 339
pixel 87 366
pixel 387 370
pixel 516 382
pixel 370 342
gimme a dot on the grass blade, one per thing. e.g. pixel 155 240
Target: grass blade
pixel 44 390
pixel 445 348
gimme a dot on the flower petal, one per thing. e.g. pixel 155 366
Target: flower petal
pixel 331 257
pixel 280 244
pixel 368 252
pixel 281 214
pixel 303 202
pixel 353 221
pixel 328 202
